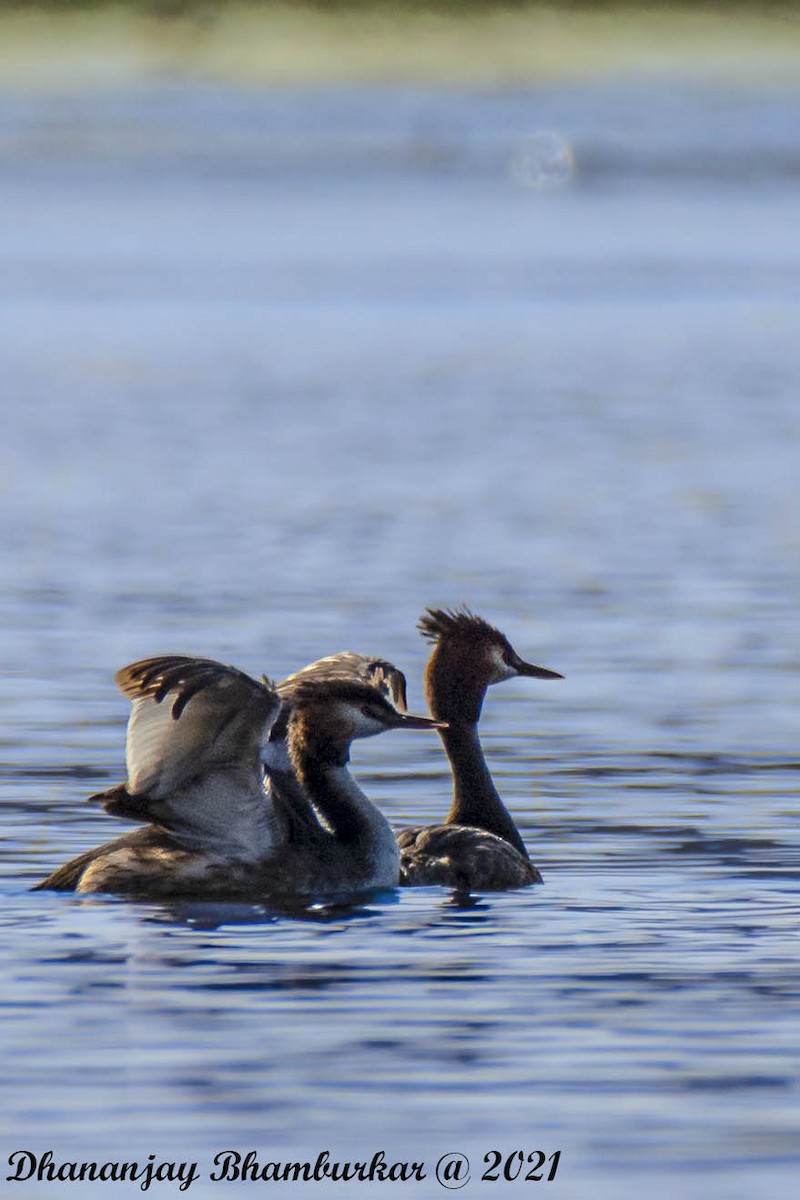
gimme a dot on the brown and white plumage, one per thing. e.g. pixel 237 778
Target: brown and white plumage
pixel 353 838
pixel 195 752
pixel 228 720
pixel 462 857
pixel 358 668
pixel 478 846
pixel 344 666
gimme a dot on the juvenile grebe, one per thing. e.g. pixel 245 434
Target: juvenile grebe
pixel 383 675
pixel 478 846
pixel 347 666
pixel 216 828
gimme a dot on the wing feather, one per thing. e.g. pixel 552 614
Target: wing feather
pixel 217 715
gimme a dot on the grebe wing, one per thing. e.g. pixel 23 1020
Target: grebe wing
pixel 462 857
pixel 191 716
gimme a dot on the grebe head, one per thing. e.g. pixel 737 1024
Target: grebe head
pixel 378 672
pixel 355 668
pixel 469 656
pixel 327 715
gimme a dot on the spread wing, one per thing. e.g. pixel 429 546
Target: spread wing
pixel 191 716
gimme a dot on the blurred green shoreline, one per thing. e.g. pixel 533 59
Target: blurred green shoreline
pixel 61 44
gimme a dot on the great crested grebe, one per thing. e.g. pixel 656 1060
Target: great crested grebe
pixel 344 666
pixel 478 846
pixel 216 827
pixel 378 672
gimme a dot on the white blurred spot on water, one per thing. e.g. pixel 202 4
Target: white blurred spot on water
pixel 544 159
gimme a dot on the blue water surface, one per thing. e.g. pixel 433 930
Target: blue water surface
pixel 279 370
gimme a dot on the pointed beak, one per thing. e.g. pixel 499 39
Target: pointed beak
pixel 524 668
pixel 411 721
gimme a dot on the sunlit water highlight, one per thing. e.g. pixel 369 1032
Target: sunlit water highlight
pixel 279 371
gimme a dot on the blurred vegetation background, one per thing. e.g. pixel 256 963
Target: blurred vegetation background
pixel 86 42
pixel 167 7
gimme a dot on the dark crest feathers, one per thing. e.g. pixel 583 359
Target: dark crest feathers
pixel 437 624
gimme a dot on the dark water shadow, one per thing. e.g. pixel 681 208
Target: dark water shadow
pixel 207 914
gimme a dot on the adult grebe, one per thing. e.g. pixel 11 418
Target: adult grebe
pixel 478 846
pixel 215 828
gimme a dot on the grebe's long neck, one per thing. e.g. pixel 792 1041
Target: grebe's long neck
pixel 352 818
pixel 339 800
pixel 475 798
pixel 455 694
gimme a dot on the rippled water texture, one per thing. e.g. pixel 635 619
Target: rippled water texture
pixel 278 371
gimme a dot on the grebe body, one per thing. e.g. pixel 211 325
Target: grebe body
pixel 217 826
